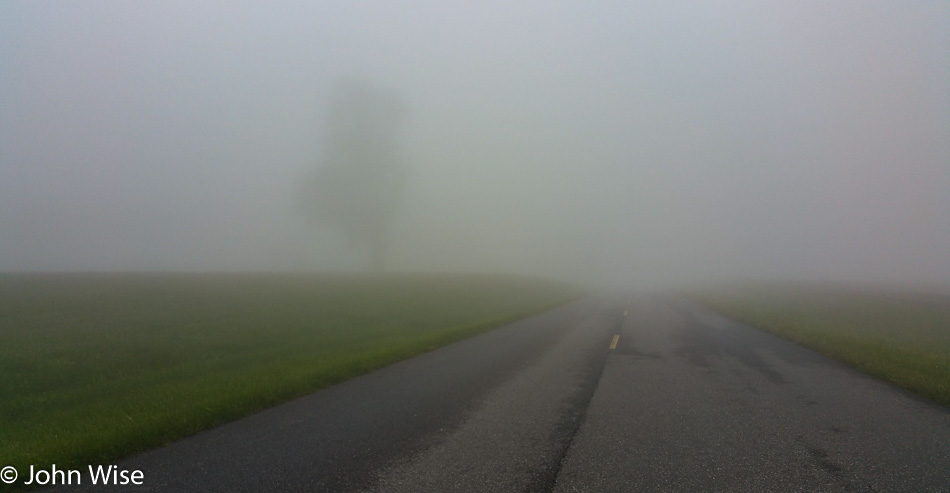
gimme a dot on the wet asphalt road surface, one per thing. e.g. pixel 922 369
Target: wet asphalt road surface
pixel 685 401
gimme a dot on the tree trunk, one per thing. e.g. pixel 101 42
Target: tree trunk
pixel 377 250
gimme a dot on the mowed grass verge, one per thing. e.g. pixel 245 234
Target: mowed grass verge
pixel 94 367
pixel 898 336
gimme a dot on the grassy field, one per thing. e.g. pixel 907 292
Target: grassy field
pixel 899 336
pixel 98 366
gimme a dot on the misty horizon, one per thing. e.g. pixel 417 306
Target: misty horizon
pixel 593 142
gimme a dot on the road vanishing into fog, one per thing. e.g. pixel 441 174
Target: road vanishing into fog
pixel 684 401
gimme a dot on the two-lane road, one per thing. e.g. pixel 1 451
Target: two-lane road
pixel 691 401
pixel 613 393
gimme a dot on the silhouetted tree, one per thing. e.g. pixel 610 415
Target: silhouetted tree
pixel 358 185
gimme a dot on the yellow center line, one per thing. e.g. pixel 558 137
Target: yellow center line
pixel 613 343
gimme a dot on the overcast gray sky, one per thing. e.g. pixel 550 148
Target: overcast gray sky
pixel 623 141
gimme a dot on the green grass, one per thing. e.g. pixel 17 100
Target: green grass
pixel 94 367
pixel 899 336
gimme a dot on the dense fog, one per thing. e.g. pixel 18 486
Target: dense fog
pixel 625 142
